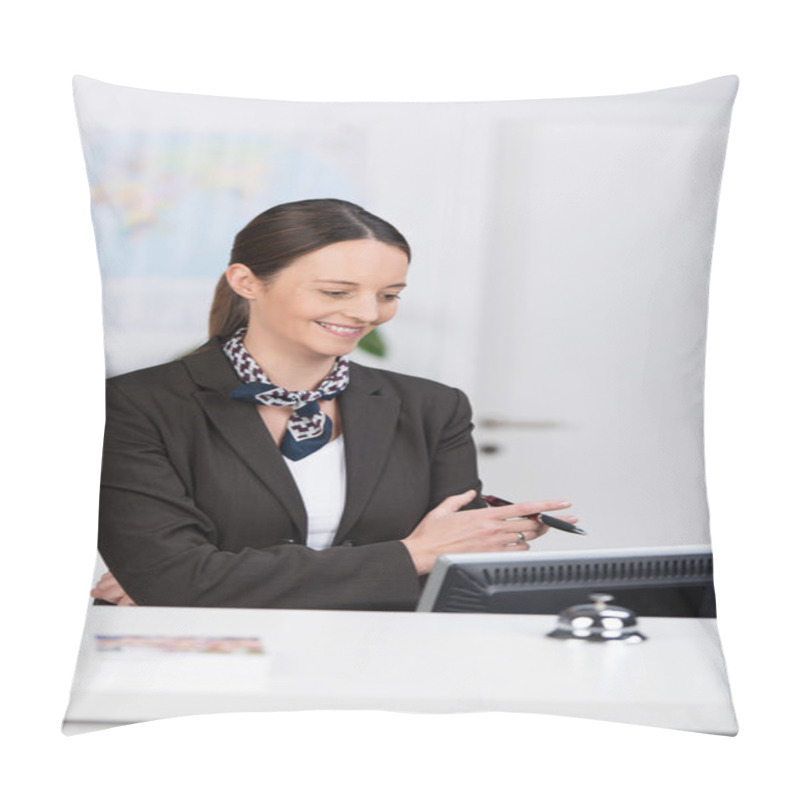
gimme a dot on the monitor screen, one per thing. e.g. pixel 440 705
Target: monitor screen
pixel 655 582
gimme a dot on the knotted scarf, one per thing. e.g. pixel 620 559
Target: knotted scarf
pixel 309 429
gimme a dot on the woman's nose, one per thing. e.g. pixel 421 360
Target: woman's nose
pixel 364 309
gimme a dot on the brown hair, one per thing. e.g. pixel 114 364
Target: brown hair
pixel 276 237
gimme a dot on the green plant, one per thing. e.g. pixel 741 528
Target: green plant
pixel 373 343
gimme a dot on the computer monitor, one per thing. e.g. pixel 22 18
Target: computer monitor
pixel 654 582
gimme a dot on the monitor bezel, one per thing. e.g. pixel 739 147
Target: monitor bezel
pixel 436 578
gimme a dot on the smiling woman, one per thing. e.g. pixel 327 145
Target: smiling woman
pixel 325 303
pixel 266 470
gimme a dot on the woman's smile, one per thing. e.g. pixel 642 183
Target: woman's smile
pixel 347 331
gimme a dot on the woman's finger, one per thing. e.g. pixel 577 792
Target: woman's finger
pixel 107 582
pixel 519 540
pixel 566 517
pixel 516 545
pixel 523 525
pixel 109 589
pixel 529 509
pixel 508 536
pixel 453 503
pixel 111 595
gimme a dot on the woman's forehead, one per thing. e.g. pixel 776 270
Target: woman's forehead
pixel 353 261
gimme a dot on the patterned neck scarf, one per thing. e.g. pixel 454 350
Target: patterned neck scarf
pixel 309 429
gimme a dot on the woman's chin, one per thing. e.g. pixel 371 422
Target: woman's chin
pixel 335 351
pixel 345 350
pixel 340 345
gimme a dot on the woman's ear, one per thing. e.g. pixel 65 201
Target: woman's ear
pixel 242 280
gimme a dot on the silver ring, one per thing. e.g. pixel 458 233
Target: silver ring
pixel 521 537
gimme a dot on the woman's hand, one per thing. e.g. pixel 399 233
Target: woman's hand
pixel 108 589
pixel 445 529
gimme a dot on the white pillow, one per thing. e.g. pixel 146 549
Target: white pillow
pixel 560 272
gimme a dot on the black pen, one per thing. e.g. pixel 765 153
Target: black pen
pixel 552 522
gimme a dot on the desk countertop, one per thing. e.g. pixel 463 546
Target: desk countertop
pixel 401 662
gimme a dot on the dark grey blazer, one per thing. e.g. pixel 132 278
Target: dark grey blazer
pixel 198 508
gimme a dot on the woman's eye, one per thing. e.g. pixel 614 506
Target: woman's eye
pixel 338 294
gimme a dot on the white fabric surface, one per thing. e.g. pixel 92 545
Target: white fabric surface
pixel 322 482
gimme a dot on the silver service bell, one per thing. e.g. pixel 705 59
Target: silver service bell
pixel 598 622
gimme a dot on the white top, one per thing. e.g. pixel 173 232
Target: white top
pixel 322 482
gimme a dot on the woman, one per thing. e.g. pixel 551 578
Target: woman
pixel 339 490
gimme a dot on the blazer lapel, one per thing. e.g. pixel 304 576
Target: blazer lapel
pixel 241 425
pixel 369 411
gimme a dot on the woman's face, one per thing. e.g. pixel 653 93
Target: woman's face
pixel 325 301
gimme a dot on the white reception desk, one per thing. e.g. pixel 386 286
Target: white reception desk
pixel 400 662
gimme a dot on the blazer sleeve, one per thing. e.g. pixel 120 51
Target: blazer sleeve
pixel 454 462
pixel 161 547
